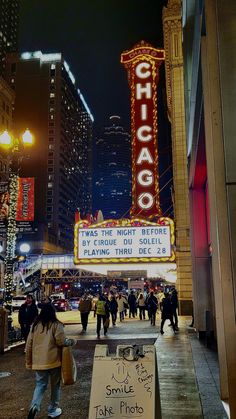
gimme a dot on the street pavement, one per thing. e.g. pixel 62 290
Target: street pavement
pixel 187 388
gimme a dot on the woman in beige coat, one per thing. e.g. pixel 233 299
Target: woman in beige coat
pixel 43 355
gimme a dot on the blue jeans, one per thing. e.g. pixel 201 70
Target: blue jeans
pixel 42 377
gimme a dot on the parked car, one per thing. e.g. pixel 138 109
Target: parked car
pixel 74 302
pixel 57 296
pixel 61 304
pixel 17 301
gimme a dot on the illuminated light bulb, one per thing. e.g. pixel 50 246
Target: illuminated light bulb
pixel 27 137
pixel 5 139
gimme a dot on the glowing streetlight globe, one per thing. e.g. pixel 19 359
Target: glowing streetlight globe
pixel 5 139
pixel 27 137
pixel 24 248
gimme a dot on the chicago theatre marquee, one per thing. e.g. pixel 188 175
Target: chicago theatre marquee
pixel 146 236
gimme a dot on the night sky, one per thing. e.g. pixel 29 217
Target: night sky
pixel 92 34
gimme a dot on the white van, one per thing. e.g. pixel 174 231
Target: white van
pixel 17 301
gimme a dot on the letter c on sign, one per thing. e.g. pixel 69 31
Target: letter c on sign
pixel 141 133
pixel 145 200
pixel 145 177
pixel 140 70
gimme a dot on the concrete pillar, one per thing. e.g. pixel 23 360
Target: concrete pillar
pixel 175 98
pixel 220 180
pixel 201 262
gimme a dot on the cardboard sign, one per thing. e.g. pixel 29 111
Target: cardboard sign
pixel 125 385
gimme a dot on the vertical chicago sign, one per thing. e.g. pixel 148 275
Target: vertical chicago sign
pixel 142 63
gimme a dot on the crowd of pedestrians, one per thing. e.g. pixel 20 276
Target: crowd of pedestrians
pixel 44 333
pixel 112 306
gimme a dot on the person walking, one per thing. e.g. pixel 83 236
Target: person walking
pixel 85 306
pixel 141 306
pixel 102 312
pixel 152 307
pixel 121 306
pixel 43 355
pixel 113 309
pixel 174 303
pixel 166 312
pixel 132 304
pixel 45 300
pixel 27 314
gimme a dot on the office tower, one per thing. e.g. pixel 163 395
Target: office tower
pixel 51 106
pixel 112 171
pixel 9 19
pixel 9 22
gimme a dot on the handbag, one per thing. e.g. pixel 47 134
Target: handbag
pixel 68 366
pixel 107 322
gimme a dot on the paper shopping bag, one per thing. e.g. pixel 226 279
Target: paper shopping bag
pixel 68 366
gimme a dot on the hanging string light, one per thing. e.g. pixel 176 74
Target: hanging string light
pixel 15 147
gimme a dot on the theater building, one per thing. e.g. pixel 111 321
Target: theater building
pixel 208 39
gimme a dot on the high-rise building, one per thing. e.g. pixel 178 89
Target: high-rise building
pixel 9 23
pixel 9 20
pixel 51 106
pixel 112 170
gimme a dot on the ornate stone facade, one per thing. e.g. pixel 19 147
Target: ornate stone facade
pixel 172 28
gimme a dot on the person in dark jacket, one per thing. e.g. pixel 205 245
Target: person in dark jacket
pixel 113 309
pixel 132 304
pixel 85 306
pixel 167 312
pixel 174 302
pixel 152 304
pixel 45 300
pixel 102 313
pixel 26 316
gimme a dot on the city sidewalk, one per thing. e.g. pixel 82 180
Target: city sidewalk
pixel 188 372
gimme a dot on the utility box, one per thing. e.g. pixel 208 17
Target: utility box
pixel 125 384
pixel 3 329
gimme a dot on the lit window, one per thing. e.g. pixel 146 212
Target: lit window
pixel 52 80
pixel 53 67
pixel 52 94
pixel 50 184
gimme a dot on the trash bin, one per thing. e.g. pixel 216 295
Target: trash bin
pixel 3 329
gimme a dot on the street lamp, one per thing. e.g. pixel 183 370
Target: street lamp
pixel 24 248
pixel 14 147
